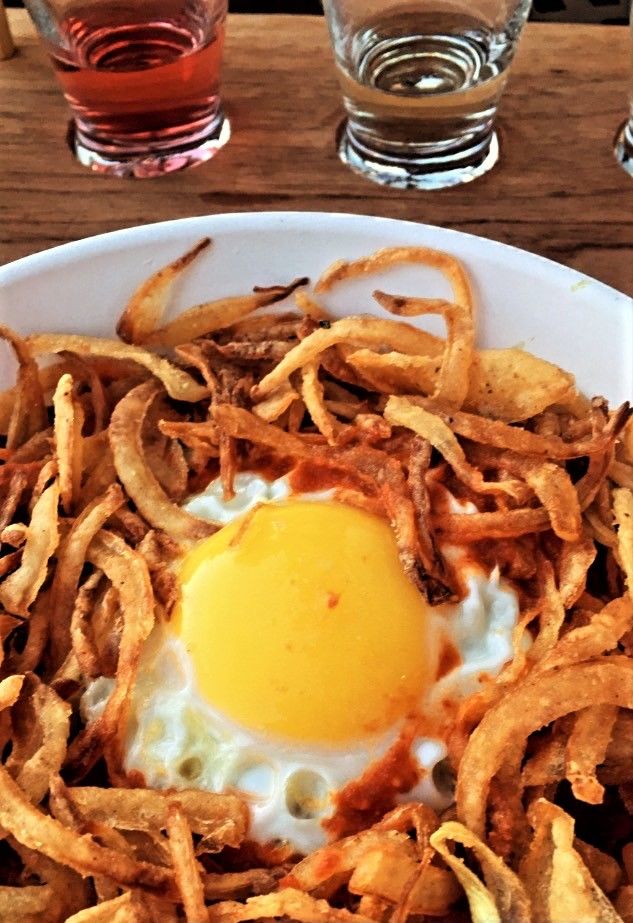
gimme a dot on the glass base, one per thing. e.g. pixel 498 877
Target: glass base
pixel 151 163
pixel 624 146
pixel 437 170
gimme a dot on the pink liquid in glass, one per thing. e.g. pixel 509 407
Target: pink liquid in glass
pixel 143 89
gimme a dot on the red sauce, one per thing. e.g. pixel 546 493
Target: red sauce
pixel 311 476
pixel 265 463
pixel 449 658
pixel 364 801
pixel 200 480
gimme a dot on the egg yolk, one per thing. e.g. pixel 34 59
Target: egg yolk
pixel 301 623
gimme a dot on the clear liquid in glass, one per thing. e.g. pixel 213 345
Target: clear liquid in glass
pixel 423 87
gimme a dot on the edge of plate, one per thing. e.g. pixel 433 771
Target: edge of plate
pixel 65 253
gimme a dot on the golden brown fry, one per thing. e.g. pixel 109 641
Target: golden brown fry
pixel 186 869
pixel 68 442
pixel 241 424
pixel 313 398
pixel 234 885
pixel 38 627
pixel 25 405
pixel 573 564
pixel 289 902
pixel 394 372
pixel 553 487
pixel 40 727
pixel 358 330
pixel 601 634
pixel 17 485
pixel 452 382
pixel 311 307
pixel 621 474
pixel 505 386
pixel 128 908
pixel 178 384
pixel 401 412
pixel 503 897
pixel 20 589
pixel 10 690
pixel 190 433
pixel 128 573
pixel 552 864
pixel 480 527
pixel 206 318
pixel 513 385
pixel 623 512
pixel 551 614
pixel 146 307
pixel 134 473
pixel 449 265
pixel 386 874
pixel 221 819
pixel 83 647
pixel 276 404
pixel 531 705
pixel 166 459
pixel 326 868
pixel 70 562
pixel 500 435
pixel 38 831
pixel 586 749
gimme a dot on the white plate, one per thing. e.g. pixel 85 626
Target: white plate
pixel 523 299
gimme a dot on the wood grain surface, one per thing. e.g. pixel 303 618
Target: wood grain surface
pixel 557 190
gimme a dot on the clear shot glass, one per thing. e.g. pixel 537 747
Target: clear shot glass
pixel 624 139
pixel 421 82
pixel 142 79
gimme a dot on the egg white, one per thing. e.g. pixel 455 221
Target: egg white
pixel 176 739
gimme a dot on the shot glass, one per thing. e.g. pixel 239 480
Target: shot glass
pixel 142 79
pixel 624 139
pixel 421 82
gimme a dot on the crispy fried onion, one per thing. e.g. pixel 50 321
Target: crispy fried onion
pixel 68 442
pixel 125 432
pixel 26 412
pixel 502 897
pixel 531 705
pixel 178 384
pixel 401 412
pixel 204 319
pixel 147 305
pixel 39 831
pixel 71 559
pixel 383 863
pixel 221 819
pixel 356 330
pixel 506 385
pixel 452 384
pixel 40 726
pixel 19 590
pixel 289 903
pixel 128 573
pixel 552 863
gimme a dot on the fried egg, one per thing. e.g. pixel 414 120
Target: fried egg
pixel 296 653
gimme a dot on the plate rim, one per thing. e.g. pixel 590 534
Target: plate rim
pixel 43 260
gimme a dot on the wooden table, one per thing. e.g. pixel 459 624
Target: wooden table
pixel 556 191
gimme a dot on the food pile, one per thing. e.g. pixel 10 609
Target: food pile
pixel 100 447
